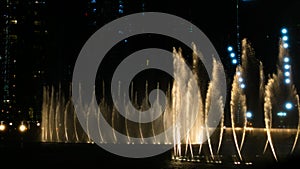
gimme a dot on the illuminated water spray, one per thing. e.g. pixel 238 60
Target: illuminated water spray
pixel 59 123
pixel 298 128
pixel 237 108
pixel 183 100
pixel 280 97
pixel 269 91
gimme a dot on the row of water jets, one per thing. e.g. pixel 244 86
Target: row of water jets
pixel 60 124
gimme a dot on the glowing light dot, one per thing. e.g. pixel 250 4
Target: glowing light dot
pixel 286 73
pixel 243 86
pixel 232 55
pixel 229 48
pixel 287 81
pixel 286 59
pixel 287 66
pixel 234 61
pixel 2 127
pixel 241 79
pixel 285 38
pixel 22 128
pixel 288 105
pixel 284 30
pixel 249 114
pixel 285 45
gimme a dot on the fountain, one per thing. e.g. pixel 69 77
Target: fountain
pixel 243 141
pixel 59 121
pixel 277 92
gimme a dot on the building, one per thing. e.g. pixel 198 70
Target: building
pixel 8 59
pixel 23 37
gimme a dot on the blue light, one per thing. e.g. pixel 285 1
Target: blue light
pixel 241 79
pixel 286 66
pixel 234 61
pixel 281 114
pixel 121 7
pixel 286 59
pixel 232 55
pixel 285 45
pixel 249 114
pixel 93 1
pixel 229 48
pixel 285 38
pixel 284 30
pixel 243 86
pixel 287 74
pixel 288 105
pixel 287 81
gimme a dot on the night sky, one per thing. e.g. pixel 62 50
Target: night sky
pixel 260 22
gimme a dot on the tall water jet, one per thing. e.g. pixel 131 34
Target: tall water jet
pixel 237 108
pixel 185 98
pixel 286 91
pixel 214 105
pixel 261 87
pixel 59 122
pixel 268 112
pixel 298 128
pixel 202 128
pixel 198 129
pixel 252 82
pixel 280 92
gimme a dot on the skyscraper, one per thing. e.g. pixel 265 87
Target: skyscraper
pixel 8 54
pixel 23 50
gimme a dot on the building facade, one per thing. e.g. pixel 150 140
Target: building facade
pixel 22 52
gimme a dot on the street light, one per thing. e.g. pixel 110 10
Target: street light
pixel 2 126
pixel 22 127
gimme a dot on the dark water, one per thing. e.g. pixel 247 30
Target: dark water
pixel 66 155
